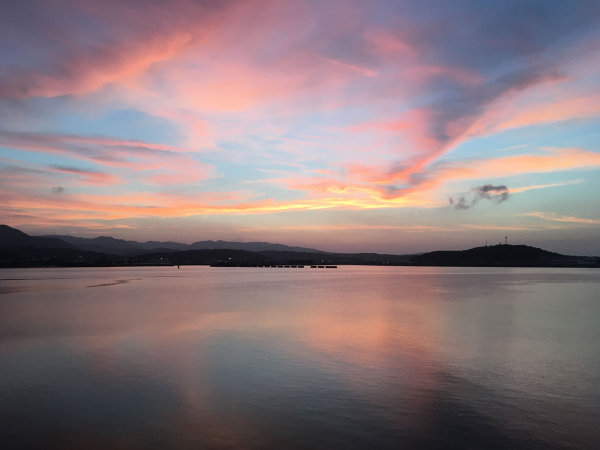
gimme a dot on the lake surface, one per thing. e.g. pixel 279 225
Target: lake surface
pixel 354 357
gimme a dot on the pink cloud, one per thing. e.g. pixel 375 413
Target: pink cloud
pixel 568 108
pixel 135 160
pixel 88 176
pixel 375 181
pixel 128 41
pixel 551 160
pixel 89 71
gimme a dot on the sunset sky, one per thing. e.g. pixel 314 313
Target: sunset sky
pixel 387 126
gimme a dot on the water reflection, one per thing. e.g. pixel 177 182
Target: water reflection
pixel 359 357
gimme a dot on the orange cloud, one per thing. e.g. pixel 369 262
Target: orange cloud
pixel 555 111
pixel 354 227
pixel 346 191
pixel 91 70
pixel 551 160
pixel 506 115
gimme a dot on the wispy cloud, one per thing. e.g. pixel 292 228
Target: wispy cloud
pixel 137 160
pixel 87 175
pixel 544 186
pixel 561 218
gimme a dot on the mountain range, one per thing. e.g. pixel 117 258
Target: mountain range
pixel 18 249
pixel 114 246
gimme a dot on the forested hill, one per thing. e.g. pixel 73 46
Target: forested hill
pixel 502 256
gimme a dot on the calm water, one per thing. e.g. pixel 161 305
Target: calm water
pixel 354 357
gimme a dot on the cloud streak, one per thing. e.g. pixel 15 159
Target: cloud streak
pixel 150 163
pixel 562 218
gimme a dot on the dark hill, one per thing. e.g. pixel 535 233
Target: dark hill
pixel 500 256
pixel 18 249
pixel 13 238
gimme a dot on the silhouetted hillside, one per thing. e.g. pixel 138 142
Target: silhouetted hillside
pixel 18 249
pixel 13 238
pixel 106 244
pixel 501 256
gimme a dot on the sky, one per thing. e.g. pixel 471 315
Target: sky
pixel 386 126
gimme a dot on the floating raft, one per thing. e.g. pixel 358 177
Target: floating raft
pixel 274 266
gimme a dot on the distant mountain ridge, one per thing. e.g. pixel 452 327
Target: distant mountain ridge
pixel 251 246
pixel 115 246
pixel 18 249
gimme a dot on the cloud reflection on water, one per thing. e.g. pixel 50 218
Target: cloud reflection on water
pixel 254 358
